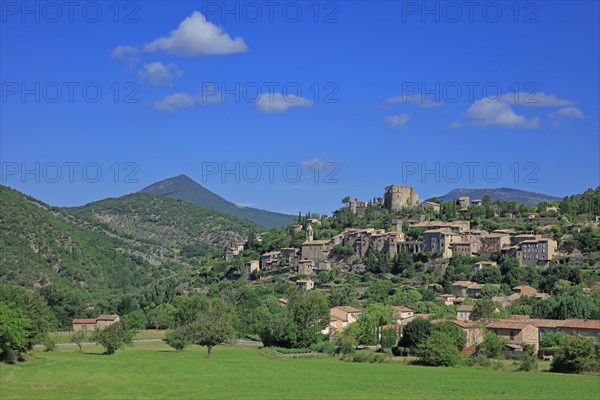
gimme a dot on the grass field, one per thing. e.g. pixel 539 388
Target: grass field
pixel 65 336
pixel 152 371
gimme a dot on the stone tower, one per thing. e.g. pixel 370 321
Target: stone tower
pixel 309 233
pixel 397 197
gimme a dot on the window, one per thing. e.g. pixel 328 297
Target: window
pixel 512 335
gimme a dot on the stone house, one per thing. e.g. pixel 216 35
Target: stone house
pixel 305 284
pixel 306 267
pixel 464 312
pixel 465 247
pixel 318 251
pixel 438 241
pixel 84 325
pixel 515 332
pixel 493 243
pixel 428 205
pixel 270 261
pixel 534 251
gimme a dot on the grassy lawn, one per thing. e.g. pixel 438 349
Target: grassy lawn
pixel 152 370
pixel 65 336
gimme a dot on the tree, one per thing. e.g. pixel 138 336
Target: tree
pixel 113 337
pixel 161 316
pixel 492 345
pixel 178 338
pixel 579 354
pixel 553 340
pixel 78 338
pixel 453 332
pixel 15 331
pixel 415 332
pixel 309 312
pixel 482 309
pixel 136 320
pixel 438 349
pixel 372 320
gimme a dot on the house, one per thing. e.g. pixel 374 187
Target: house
pixel 465 247
pixel 475 333
pixel 340 318
pixel 494 242
pixel 270 261
pixel 438 241
pixel 485 264
pixel 402 313
pixel 515 332
pixel 525 290
pixel 306 267
pixel 250 267
pixel 447 299
pixel 525 236
pixel 305 284
pixel 476 202
pixel 105 320
pixel 464 312
pixel 283 301
pixel 233 251
pixel 538 250
pixel 84 325
pixel 296 228
pixel 428 205
pixel 316 250
pixel 460 287
pixel 464 201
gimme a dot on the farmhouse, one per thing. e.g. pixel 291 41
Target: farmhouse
pixel 93 324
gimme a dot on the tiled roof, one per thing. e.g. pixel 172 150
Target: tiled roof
pixel 108 317
pixel 84 321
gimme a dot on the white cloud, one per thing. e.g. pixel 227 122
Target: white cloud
pixel 277 103
pixel 455 124
pixel 537 99
pixel 128 53
pixel 176 101
pixel 484 112
pixel 196 36
pixel 316 163
pixel 416 98
pixel 397 121
pixel 159 74
pixel 572 112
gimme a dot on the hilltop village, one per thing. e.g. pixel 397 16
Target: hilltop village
pixel 422 248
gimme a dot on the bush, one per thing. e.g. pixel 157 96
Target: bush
pixel 400 351
pixel 579 354
pixel 50 344
pixel 345 347
pixel 477 362
pixel 325 347
pixel 368 357
pixel 113 337
pixel 177 339
pixel 414 332
pixel 527 363
pixel 492 345
pixel 439 349
pixel 285 350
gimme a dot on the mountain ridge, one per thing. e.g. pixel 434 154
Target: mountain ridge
pixel 502 194
pixel 184 188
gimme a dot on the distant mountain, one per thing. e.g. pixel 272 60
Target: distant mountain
pixel 169 222
pixel 502 194
pixel 184 188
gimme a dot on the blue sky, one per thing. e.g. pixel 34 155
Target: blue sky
pixel 376 93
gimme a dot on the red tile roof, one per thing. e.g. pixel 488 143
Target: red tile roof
pixel 84 321
pixel 107 317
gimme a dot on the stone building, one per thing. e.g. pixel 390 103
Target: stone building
pixel 428 205
pixel 357 207
pixel 438 241
pixel 534 251
pixel 397 197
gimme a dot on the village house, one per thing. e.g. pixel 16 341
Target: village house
pixel 233 251
pixel 464 312
pixel 447 299
pixel 251 267
pixel 485 264
pixel 270 261
pixel 402 313
pixel 317 250
pixel 516 332
pixel 305 284
pixel 476 202
pixel 93 324
pixel 296 228
pixel 464 201
pixel 493 243
pixel 438 241
pixel 340 318
pixel 428 205
pixel 468 248
pixel 538 250
pixel 516 239
pixel 306 267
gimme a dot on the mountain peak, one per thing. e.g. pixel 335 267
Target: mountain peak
pixel 184 188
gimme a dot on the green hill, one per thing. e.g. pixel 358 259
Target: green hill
pixel 501 194
pixel 165 221
pixel 184 188
pixel 43 245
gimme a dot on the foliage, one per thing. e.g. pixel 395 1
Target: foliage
pixel 15 330
pixel 415 332
pixel 135 320
pixel 492 345
pixel 113 337
pixel 161 316
pixel 483 308
pixel 453 332
pixel 579 354
pixel 438 349
pixel 553 340
pixel 78 338
pixel 527 363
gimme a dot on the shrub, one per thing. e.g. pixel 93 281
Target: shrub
pixel 579 354
pixel 113 337
pixel 400 351
pixel 527 363
pixel 178 339
pixel 492 345
pixel 414 332
pixel 345 347
pixel 325 347
pixel 50 344
pixel 439 349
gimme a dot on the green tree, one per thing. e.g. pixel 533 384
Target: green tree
pixel 452 331
pixel 483 308
pixel 161 316
pixel 309 312
pixel 579 354
pixel 492 345
pixel 15 331
pixel 135 320
pixel 372 320
pixel 438 349
pixel 78 338
pixel 113 337
pixel 415 332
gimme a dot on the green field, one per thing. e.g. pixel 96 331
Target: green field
pixel 152 370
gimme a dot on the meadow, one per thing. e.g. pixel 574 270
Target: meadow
pixel 151 370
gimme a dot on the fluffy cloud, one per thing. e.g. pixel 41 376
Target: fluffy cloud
pixel 176 101
pixel 277 103
pixel 159 74
pixel 484 112
pixel 196 36
pixel 572 112
pixel 397 121
pixel 416 98
pixel 538 99
pixel 128 53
